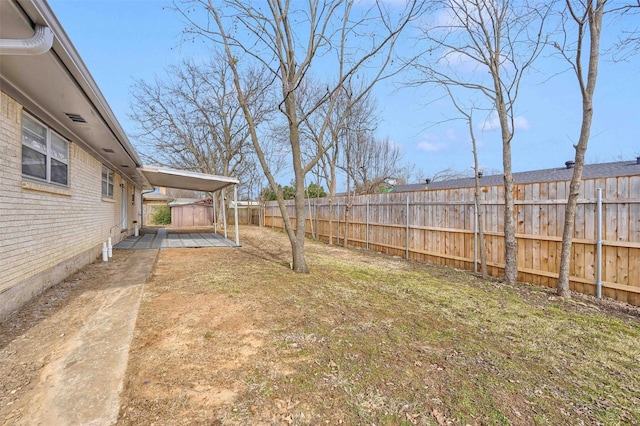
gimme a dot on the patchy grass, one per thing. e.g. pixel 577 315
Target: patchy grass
pixel 367 339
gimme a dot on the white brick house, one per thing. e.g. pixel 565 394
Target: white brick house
pixel 68 173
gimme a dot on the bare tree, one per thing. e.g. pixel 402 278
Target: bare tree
pixel 448 173
pixel 328 163
pixel 372 161
pixel 192 120
pixel 353 122
pixel 586 16
pixel 321 132
pixel 628 43
pixel 467 115
pixel 486 47
pixel 286 38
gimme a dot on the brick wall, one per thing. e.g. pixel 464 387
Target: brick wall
pixel 47 231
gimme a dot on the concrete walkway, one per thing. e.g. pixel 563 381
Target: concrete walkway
pixel 82 383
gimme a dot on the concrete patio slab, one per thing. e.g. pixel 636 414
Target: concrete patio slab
pixel 167 238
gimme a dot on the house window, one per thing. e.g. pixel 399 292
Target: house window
pixel 45 154
pixel 107 182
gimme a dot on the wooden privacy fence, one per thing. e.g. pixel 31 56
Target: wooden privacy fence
pixel 246 215
pixel 440 227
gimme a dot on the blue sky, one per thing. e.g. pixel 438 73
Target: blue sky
pixel 122 41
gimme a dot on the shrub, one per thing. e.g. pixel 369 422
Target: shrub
pixel 162 216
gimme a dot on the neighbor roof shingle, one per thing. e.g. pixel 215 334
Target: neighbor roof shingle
pixel 590 171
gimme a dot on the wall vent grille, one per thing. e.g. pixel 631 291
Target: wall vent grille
pixel 76 118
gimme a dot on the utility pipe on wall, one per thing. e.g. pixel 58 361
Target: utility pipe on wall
pixel 149 191
pixel 105 253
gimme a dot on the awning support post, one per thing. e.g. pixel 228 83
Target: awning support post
pixel 224 212
pixel 215 220
pixel 235 212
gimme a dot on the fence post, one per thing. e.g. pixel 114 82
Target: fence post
pixel 315 211
pixel 367 237
pixel 224 213
pixel 599 244
pixel 330 221
pixel 215 219
pixel 407 230
pixel 272 216
pixel 338 213
pixel 475 235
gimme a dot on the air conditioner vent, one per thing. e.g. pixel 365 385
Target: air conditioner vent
pixel 109 150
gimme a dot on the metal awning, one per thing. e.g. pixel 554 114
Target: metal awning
pixel 171 178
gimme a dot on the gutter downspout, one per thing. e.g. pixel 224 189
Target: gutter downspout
pixel 40 43
pixel 148 191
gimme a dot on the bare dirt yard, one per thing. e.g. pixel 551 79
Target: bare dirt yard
pixel 233 336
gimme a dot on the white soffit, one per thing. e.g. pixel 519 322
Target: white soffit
pixel 171 178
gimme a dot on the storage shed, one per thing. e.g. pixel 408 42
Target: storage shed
pixel 193 214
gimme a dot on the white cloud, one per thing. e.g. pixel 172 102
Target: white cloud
pixel 444 18
pixel 450 133
pixel 456 59
pixel 493 123
pixel 521 123
pixel 394 145
pixel 431 143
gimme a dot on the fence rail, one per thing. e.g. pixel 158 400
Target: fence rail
pixel 440 227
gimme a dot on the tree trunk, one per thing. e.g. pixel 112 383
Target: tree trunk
pixel 479 215
pixel 345 237
pixel 595 29
pixel 332 194
pixel 569 226
pixel 297 238
pixel 510 243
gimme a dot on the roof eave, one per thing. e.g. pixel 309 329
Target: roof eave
pixel 70 56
